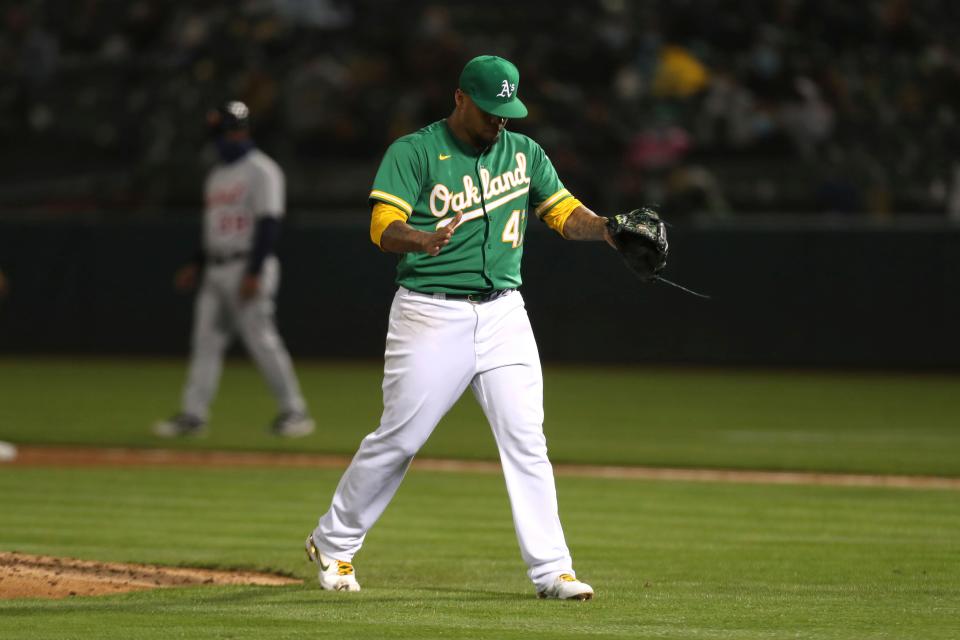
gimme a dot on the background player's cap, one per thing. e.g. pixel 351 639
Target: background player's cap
pixel 493 83
pixel 230 116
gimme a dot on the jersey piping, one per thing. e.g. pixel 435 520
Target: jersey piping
pixel 389 198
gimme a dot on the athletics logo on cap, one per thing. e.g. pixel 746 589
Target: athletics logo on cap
pixel 484 76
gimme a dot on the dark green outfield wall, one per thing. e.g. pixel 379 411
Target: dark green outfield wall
pixel 796 296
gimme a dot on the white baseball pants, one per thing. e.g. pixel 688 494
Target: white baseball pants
pixel 219 314
pixel 435 349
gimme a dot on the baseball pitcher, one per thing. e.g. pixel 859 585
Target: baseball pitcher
pixel 239 274
pixel 454 199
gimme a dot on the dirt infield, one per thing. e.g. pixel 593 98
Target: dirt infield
pixel 74 456
pixel 28 576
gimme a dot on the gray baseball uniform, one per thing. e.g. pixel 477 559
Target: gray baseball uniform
pixel 236 195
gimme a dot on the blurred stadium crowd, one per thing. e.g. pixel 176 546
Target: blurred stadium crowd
pixel 714 107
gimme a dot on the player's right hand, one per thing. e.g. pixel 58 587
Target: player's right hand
pixel 440 238
pixel 185 279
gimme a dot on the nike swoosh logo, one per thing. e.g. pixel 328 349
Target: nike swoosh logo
pixel 323 567
pixel 443 157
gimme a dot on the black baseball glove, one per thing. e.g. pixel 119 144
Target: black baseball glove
pixel 641 239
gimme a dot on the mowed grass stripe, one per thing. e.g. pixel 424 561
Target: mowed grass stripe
pixel 819 421
pixel 668 560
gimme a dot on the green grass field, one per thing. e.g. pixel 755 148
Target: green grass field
pixel 877 423
pixel 668 559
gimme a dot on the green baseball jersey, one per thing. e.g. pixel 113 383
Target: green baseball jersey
pixel 431 175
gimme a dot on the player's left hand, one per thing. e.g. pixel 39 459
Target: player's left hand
pixel 641 238
pixel 249 287
pixel 608 236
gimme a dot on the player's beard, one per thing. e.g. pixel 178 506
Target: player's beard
pixel 488 135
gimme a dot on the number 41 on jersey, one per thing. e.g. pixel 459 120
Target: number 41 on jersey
pixel 512 231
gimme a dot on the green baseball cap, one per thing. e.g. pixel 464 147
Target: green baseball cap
pixel 492 83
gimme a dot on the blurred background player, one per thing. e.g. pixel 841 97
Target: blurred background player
pixel 239 276
pixel 7 451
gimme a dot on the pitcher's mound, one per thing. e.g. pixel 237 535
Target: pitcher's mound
pixel 29 576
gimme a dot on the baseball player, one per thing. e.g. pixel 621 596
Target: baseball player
pixel 454 199
pixel 239 275
pixel 8 451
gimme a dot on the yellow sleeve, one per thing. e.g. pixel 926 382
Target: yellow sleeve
pixel 383 216
pixel 557 216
